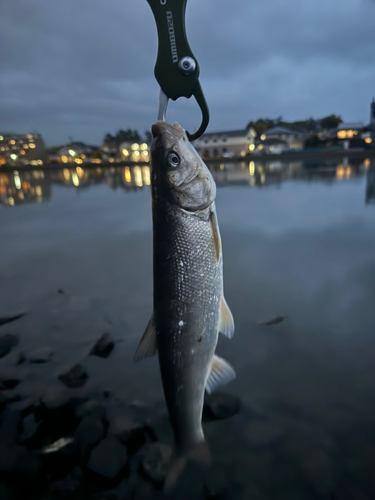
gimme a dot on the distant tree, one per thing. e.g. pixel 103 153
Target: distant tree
pixel 331 121
pixel 108 138
pixel 148 136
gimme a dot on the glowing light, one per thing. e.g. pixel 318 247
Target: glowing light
pixel 80 172
pixel 32 145
pixel 83 157
pixel 39 162
pixel 145 153
pixel 262 137
pixel 2 161
pixel 368 140
pixel 346 134
pixel 12 141
pixel 1 137
pixel 11 201
pixel 96 160
pixel 340 171
pixel 127 174
pixel 251 147
pixel 25 146
pixel 125 152
pixel 66 173
pixel 21 196
pixel 72 152
pixel 78 161
pixel 260 147
pixel 29 136
pixel 75 179
pixel 110 160
pixel 251 168
pixel 22 152
pixel 38 191
pixel 144 146
pixel 146 175
pixel 136 153
pixel 17 180
pixel 138 176
pixel 366 162
pixel 13 156
pixel 222 166
pixel 135 146
pixel 64 159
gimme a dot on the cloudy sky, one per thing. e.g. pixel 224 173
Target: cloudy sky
pixel 82 68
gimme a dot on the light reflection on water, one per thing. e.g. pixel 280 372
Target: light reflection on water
pixel 300 243
pixel 19 187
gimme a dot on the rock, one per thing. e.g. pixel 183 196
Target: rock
pixel 263 433
pixel 9 425
pixel 41 355
pixel 65 487
pixel 9 319
pixel 108 458
pixel 103 347
pixel 62 445
pixel 128 431
pixel 29 427
pixel 59 457
pixel 7 342
pixel 220 405
pixel 89 432
pixel 155 461
pixel 6 493
pixel 93 409
pixel 75 377
pixel 7 384
pixel 15 458
pixel 3 401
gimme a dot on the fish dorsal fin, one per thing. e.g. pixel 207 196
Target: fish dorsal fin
pixel 221 373
pixel 215 234
pixel 148 345
pixel 226 323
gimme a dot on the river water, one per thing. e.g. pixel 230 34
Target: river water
pixel 298 242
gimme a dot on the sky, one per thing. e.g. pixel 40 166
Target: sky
pixel 82 68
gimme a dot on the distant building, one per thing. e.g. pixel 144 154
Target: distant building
pixel 351 134
pixel 22 149
pixel 76 152
pixel 372 123
pixel 226 144
pixel 291 138
pixel 134 152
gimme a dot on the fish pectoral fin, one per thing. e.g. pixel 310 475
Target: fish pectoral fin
pixel 215 234
pixel 226 323
pixel 221 373
pixel 148 345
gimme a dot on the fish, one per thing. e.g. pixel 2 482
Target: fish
pixel 189 305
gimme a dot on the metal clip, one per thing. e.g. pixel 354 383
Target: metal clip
pixel 176 69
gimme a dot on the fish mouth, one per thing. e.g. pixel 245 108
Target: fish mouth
pixel 161 128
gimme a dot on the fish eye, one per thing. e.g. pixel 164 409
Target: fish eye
pixel 173 159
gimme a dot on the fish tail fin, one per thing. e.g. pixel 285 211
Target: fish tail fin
pixel 199 455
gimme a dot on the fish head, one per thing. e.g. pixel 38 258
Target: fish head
pixel 178 172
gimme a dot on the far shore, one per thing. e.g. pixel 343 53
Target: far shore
pixel 287 157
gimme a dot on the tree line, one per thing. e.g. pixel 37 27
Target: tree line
pixel 128 135
pixel 310 125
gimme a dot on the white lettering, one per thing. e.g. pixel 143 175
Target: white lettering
pixel 172 38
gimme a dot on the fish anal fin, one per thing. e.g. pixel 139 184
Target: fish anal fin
pixel 226 322
pixel 215 234
pixel 221 373
pixel 148 345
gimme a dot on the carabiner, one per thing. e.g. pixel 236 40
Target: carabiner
pixel 176 69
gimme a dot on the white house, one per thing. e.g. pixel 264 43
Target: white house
pixel 226 144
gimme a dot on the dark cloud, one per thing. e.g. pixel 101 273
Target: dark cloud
pixel 85 68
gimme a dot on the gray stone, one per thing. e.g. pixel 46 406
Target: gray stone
pixel 9 425
pixel 220 405
pixel 65 487
pixel 7 342
pixel 155 461
pixel 74 377
pixel 108 458
pixel 128 431
pixel 91 408
pixel 64 445
pixel 263 433
pixel 9 383
pixel 41 355
pixel 89 432
pixel 15 458
pixel 103 347
pixel 29 427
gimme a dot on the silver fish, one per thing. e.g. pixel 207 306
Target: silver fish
pixel 189 305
